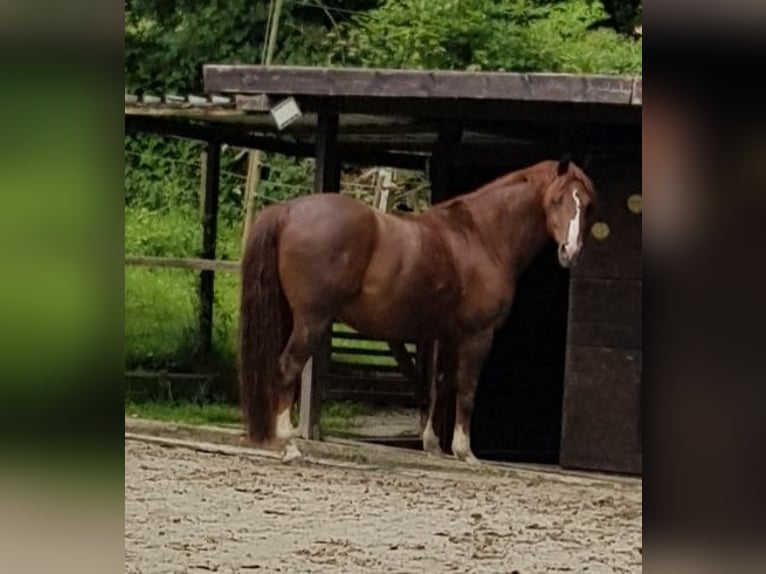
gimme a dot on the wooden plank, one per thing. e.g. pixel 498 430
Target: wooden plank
pixel 489 110
pixel 424 84
pixel 363 351
pixel 605 313
pixel 183 263
pixel 601 416
pixel 326 179
pixel 211 172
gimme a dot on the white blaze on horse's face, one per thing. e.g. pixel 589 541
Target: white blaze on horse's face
pixel 570 248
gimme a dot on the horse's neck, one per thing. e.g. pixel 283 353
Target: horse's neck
pixel 511 223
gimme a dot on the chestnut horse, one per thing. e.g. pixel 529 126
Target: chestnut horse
pixel 447 275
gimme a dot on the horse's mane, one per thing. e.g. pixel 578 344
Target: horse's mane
pixel 542 173
pixel 539 176
pixel 545 170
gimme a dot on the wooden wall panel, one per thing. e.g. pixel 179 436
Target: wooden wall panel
pixel 605 313
pixel 600 424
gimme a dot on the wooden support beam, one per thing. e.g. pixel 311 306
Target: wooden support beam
pixel 327 166
pixel 440 164
pixel 211 168
pixel 326 180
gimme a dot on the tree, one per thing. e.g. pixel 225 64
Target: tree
pixel 517 35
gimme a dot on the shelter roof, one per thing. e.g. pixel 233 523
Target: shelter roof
pixel 397 116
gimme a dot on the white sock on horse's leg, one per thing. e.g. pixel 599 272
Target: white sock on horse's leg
pixel 285 429
pixel 430 440
pixel 461 445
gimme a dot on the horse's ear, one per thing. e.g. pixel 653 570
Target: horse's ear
pixel 564 164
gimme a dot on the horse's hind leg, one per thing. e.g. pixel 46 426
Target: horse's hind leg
pixel 304 340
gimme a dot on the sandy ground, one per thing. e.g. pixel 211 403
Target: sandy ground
pixel 189 511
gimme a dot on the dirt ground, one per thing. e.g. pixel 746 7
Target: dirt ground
pixel 190 511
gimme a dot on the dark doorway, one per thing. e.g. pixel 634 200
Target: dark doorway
pixel 518 404
pixel 517 416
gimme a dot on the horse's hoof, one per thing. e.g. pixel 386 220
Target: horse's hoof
pixel 434 450
pixel 291 453
pixel 468 458
pixel 431 445
pixel 472 460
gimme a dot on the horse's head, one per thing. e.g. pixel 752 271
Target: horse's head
pixel 565 200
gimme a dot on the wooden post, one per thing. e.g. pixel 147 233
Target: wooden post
pixel 327 165
pixel 326 180
pixel 251 191
pixel 442 188
pixel 209 204
pixel 255 157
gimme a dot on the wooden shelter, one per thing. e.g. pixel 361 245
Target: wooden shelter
pixel 563 381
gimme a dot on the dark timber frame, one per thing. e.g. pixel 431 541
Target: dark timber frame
pixel 442 123
pixel 211 178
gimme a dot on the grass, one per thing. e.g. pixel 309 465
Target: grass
pixel 161 304
pixel 334 415
pixel 189 413
pixel 341 415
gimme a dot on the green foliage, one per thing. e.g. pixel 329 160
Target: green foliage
pixel 513 35
pixel 564 42
pixel 167 41
pixel 161 173
pixel 185 412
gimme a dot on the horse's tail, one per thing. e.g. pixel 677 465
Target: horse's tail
pixel 265 324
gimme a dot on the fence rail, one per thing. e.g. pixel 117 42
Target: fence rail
pixel 183 263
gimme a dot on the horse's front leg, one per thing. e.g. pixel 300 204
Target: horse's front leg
pixel 471 353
